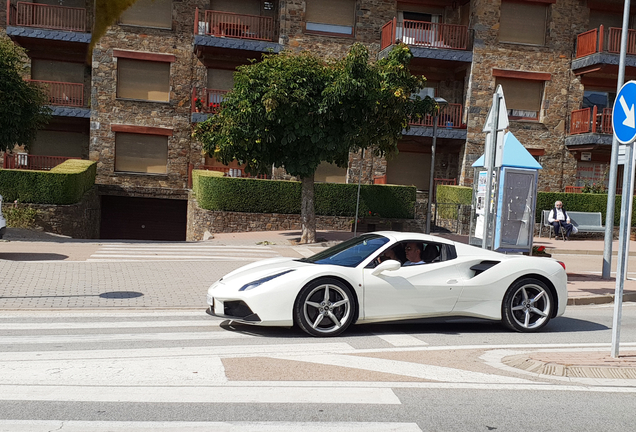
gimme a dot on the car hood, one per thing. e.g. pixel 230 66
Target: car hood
pixel 262 269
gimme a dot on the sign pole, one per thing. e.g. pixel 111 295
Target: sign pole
pixel 613 173
pixel 489 164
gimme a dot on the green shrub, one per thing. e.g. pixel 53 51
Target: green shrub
pixel 64 184
pixel 19 217
pixel 451 194
pixel 272 196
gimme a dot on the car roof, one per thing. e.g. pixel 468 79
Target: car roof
pixel 401 236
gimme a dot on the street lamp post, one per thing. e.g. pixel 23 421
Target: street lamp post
pixel 442 104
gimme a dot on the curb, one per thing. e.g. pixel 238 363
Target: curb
pixel 552 369
pixel 601 299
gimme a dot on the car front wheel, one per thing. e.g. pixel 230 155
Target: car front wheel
pixel 527 305
pixel 324 307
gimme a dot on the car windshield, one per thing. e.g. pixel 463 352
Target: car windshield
pixel 349 253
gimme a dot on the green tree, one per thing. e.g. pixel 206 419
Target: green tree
pixel 23 107
pixel 297 110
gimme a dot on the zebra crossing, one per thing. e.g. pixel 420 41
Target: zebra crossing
pixel 161 357
pixel 126 252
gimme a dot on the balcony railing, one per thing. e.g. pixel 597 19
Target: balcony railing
pixel 32 162
pixel 425 34
pixel 209 100
pixel 588 120
pixel 45 16
pixel 604 40
pixel 232 25
pixel 63 93
pixel 450 117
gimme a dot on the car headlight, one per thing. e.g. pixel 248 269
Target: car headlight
pixel 254 284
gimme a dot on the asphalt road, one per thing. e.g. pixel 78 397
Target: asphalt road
pixel 165 369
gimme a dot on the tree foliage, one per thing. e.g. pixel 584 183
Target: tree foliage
pixel 23 107
pixel 298 110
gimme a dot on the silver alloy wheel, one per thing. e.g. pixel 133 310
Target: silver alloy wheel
pixel 530 306
pixel 327 308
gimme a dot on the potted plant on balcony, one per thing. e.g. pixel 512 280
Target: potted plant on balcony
pixel 198 104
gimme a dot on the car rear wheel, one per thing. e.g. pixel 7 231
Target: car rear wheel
pixel 324 307
pixel 527 305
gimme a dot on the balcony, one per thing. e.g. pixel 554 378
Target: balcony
pixel 218 35
pixel 63 93
pixel 590 130
pixel 597 56
pixel 45 16
pixel 425 34
pixel 239 26
pixel 26 161
pixel 450 118
pixel 210 100
pixel 588 120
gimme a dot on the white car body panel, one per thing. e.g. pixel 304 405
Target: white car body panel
pixel 446 288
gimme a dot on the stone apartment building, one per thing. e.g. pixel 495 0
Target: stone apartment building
pixel 166 65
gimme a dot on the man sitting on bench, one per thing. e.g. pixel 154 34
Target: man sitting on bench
pixel 559 219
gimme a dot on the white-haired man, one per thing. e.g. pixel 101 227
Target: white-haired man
pixel 559 219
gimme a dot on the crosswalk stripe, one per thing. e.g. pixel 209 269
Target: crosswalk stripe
pixel 133 337
pixel 401 339
pixel 201 394
pixel 107 325
pixel 202 426
pixel 220 257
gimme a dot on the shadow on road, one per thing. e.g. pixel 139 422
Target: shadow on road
pixel 29 256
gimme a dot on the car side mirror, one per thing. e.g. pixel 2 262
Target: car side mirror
pixel 390 265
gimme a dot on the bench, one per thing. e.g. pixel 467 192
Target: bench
pixel 583 221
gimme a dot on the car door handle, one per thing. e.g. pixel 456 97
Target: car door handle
pixel 452 281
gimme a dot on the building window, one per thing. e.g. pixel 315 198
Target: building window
pixel 523 22
pixel 523 97
pixel 330 16
pixel 143 80
pixel 141 153
pixel 330 173
pixel 148 13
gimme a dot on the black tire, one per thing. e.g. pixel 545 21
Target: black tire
pixel 324 307
pixel 527 306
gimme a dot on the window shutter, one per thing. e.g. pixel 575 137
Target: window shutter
pixel 141 153
pixel 145 80
pixel 523 95
pixel 149 13
pixel 220 79
pixel 247 7
pixel 523 22
pixel 334 12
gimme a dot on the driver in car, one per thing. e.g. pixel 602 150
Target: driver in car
pixel 413 254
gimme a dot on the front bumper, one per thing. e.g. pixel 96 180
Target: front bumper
pixel 235 310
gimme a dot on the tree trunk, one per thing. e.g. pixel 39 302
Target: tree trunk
pixel 308 211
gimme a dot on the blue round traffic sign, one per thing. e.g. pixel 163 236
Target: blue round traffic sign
pixel 624 113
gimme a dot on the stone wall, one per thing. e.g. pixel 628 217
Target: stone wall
pixel 562 93
pixel 202 223
pixel 107 109
pixel 80 220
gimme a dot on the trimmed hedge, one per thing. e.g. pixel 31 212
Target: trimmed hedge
pixel 273 196
pixel 65 184
pixel 587 202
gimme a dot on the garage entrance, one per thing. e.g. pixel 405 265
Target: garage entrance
pixel 129 218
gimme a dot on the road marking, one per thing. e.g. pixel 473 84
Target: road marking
pixel 202 426
pixel 400 339
pixel 176 352
pixel 105 325
pixel 306 252
pixel 132 337
pixel 99 313
pixel 396 367
pixel 176 257
pixel 201 394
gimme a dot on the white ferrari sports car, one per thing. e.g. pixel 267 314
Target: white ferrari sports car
pixel 390 276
